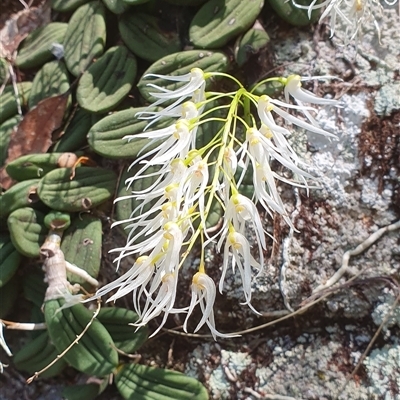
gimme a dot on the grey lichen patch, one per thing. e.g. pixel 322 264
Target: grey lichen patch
pixel 387 99
pixel 386 311
pixel 383 369
pixel 312 368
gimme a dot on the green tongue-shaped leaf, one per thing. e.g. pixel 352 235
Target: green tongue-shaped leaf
pixel 219 21
pixel 95 353
pixel 9 260
pixel 140 382
pixel 107 81
pixel 85 37
pixel 89 188
pixel 143 35
pixel 36 48
pixel 51 80
pixel 27 231
pixel 106 137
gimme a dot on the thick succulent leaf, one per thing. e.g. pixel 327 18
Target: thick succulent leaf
pixel 81 392
pixel 9 260
pixel 106 137
pixel 294 15
pixel 34 286
pixel 85 37
pixel 6 129
pixel 8 103
pixel 89 188
pixel 125 336
pixel 20 195
pixel 139 382
pixel 51 80
pixel 4 72
pixel 95 352
pixel 37 354
pixel 75 133
pixel 81 245
pixel 186 2
pixel 219 21
pixel 107 81
pixel 33 166
pixel 135 2
pixel 27 231
pixel 251 43
pixel 143 35
pixel 57 221
pixel 116 6
pixel 67 5
pixel 8 295
pixel 36 48
pixel 180 64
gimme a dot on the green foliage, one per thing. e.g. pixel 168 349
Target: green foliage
pixel 118 322
pixel 250 43
pixel 85 37
pixel 22 194
pixel 107 81
pixel 116 6
pixel 9 104
pixel 106 137
pixel 89 188
pixel 294 15
pixel 6 129
pixel 32 166
pixel 81 246
pixel 139 382
pixel 144 36
pixel 75 133
pixel 27 230
pixel 36 48
pixel 51 80
pixel 229 19
pixel 9 260
pixel 95 352
pixel 67 5
pixel 56 220
pixel 37 354
pixel 8 295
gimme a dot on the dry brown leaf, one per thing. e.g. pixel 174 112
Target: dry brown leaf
pixel 33 134
pixel 18 26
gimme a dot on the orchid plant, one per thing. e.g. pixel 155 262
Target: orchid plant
pixel 189 179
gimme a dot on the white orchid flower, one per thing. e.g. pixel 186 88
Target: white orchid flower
pixel 237 245
pixel 195 81
pixel 137 276
pixel 266 105
pixel 163 302
pixel 294 88
pixel 203 294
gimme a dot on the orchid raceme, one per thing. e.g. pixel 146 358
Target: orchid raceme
pixel 353 14
pixel 197 166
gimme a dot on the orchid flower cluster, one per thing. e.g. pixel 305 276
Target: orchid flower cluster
pixel 188 180
pixel 352 13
